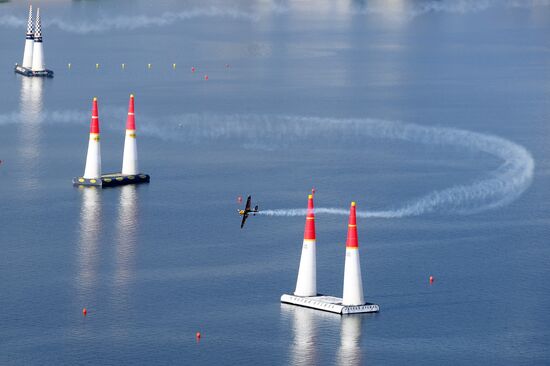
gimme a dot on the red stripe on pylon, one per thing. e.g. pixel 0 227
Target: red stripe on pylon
pixel 131 121
pixel 309 232
pixel 94 123
pixel 352 241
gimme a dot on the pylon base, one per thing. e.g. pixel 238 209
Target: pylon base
pixel 329 303
pixel 28 72
pixel 112 180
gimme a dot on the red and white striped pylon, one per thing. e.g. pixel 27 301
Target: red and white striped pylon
pixel 130 156
pixel 306 284
pixel 353 284
pixel 93 159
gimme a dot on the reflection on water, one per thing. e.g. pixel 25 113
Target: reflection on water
pixel 304 350
pixel 349 353
pixel 88 244
pixel 309 328
pixel 305 324
pixel 91 254
pixel 30 105
pixel 126 238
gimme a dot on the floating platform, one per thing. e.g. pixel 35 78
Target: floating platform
pixel 329 303
pixel 28 72
pixel 112 180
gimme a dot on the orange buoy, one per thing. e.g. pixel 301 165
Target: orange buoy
pixel 84 311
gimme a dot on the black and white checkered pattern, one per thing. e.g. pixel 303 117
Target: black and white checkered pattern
pixel 30 27
pixel 38 28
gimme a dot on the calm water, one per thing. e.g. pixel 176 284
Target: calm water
pixel 431 115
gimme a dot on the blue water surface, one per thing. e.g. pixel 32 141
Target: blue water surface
pixel 300 94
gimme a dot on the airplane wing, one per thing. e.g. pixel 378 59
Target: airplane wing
pixel 247 207
pixel 245 216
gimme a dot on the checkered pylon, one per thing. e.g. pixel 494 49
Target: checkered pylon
pixel 38 27
pixel 30 28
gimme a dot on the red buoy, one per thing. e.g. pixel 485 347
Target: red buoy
pixel 198 335
pixel 240 199
pixel 84 311
pixel 205 77
pixel 431 279
pixel 192 68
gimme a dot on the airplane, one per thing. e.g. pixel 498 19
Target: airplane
pixel 247 210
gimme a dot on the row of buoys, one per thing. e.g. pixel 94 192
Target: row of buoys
pixel 149 66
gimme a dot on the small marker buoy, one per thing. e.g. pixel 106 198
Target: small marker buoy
pixel 174 66
pixel 123 66
pixel 205 77
pixel 198 335
pixel 239 199
pixel 192 68
pixel 432 279
pixel 148 66
pixel 84 311
pixel 69 65
pixel 97 66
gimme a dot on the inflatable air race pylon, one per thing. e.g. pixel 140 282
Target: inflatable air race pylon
pixel 306 294
pixel 353 284
pixel 306 285
pixel 93 159
pixel 130 173
pixel 38 50
pixel 29 42
pixel 130 156
pixel 33 56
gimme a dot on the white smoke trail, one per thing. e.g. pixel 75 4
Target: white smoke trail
pixel 504 185
pixel 132 22
pixel 417 8
pixel 12 21
pixel 146 21
pixel 500 187
pixel 289 212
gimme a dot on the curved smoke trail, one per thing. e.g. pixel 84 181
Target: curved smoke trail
pixel 501 186
pixel 505 184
